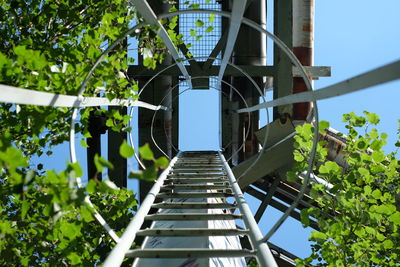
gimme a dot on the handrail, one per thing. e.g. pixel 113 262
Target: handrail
pixel 117 255
pixel 264 255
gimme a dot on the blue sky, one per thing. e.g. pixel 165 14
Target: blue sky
pixel 350 36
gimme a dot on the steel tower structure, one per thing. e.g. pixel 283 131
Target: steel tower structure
pixel 251 159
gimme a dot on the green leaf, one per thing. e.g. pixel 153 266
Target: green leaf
pixel 209 29
pixel 330 167
pixel 199 23
pixel 145 152
pixel 386 209
pixel 161 162
pixel 24 208
pixel 367 190
pixel 99 166
pixel 395 218
pixel 322 126
pixel 336 228
pixel 194 6
pixel 304 215
pixel 86 214
pixel 318 236
pixel 126 150
pixel 211 18
pixel 292 176
pixel 70 230
pixel 83 143
pixel 74 258
pixel 298 156
pixel 136 174
pixel 76 168
pixel 149 62
pixel 101 162
pixel 388 244
pixel 378 156
pixel 370 230
pixel 193 32
pixel 91 186
pixel 150 174
pixel 372 118
pixel 376 194
pixel 362 144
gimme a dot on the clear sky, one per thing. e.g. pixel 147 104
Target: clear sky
pixel 350 36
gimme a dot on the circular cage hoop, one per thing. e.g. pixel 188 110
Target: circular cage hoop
pixel 214 88
pixel 237 91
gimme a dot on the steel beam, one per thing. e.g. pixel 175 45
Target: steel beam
pixel 283 82
pixel 238 9
pixel 119 174
pixel 214 53
pixel 265 202
pixel 387 73
pixel 97 127
pixel 23 96
pixel 227 111
pixel 137 71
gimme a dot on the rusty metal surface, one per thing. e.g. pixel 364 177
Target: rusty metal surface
pixel 303 43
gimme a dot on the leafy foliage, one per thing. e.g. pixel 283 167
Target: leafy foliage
pixel 43 219
pixel 359 217
pixel 50 46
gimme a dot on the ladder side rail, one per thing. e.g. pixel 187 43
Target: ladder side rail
pixel 264 255
pixel 117 255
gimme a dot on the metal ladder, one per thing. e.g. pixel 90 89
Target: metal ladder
pixel 193 175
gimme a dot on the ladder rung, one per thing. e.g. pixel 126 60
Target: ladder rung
pixel 200 160
pixel 195 175
pixel 196 180
pixel 193 205
pixel 190 163
pixel 197 171
pixel 210 165
pixel 195 187
pixel 192 217
pixel 194 195
pixel 196 167
pixel 191 232
pixel 189 253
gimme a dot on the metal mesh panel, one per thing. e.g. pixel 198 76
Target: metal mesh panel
pixel 201 42
pixel 201 46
